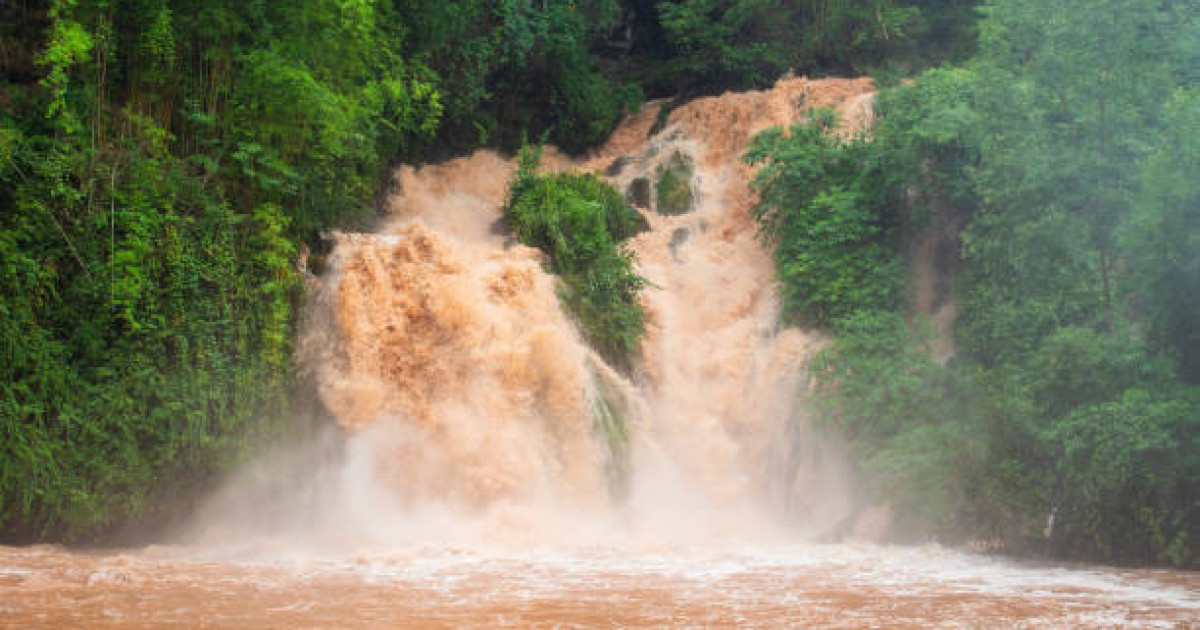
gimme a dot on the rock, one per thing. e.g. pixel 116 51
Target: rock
pixel 673 191
pixel 617 166
pixel 678 238
pixel 640 224
pixel 638 193
pixel 314 257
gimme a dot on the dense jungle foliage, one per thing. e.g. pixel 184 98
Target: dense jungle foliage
pixel 1068 423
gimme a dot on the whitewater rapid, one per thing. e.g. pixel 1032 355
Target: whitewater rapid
pixel 825 586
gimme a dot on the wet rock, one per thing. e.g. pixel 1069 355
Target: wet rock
pixel 638 193
pixel 678 238
pixel 662 116
pixel 673 190
pixel 500 227
pixel 313 257
pixel 640 224
pixel 617 166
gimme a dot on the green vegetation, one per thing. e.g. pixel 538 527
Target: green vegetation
pixel 1068 144
pixel 709 44
pixel 818 206
pixel 610 424
pixel 673 188
pixel 580 222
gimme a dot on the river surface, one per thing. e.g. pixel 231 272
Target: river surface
pixel 837 586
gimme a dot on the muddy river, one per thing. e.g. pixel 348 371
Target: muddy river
pixel 839 586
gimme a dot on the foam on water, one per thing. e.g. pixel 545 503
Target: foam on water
pixel 840 586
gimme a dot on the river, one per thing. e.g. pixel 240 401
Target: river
pixel 830 586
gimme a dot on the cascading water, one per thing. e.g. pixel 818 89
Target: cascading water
pixel 490 470
pixel 460 378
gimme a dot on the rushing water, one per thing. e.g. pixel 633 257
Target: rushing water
pixel 444 342
pixel 468 484
pixel 838 586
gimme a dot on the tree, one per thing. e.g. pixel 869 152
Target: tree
pixel 819 209
pixel 1161 239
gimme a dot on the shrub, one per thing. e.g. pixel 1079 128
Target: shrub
pixel 580 222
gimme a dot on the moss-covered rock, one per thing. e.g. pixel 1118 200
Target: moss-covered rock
pixel 673 190
pixel 638 193
pixel 617 166
pixel 637 221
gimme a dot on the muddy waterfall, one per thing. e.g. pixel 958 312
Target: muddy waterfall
pixel 467 391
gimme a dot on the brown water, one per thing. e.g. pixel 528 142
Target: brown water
pixel 469 486
pixel 468 391
pixel 831 586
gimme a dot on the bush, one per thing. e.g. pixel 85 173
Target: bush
pixel 1128 471
pixel 580 222
pixel 819 207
